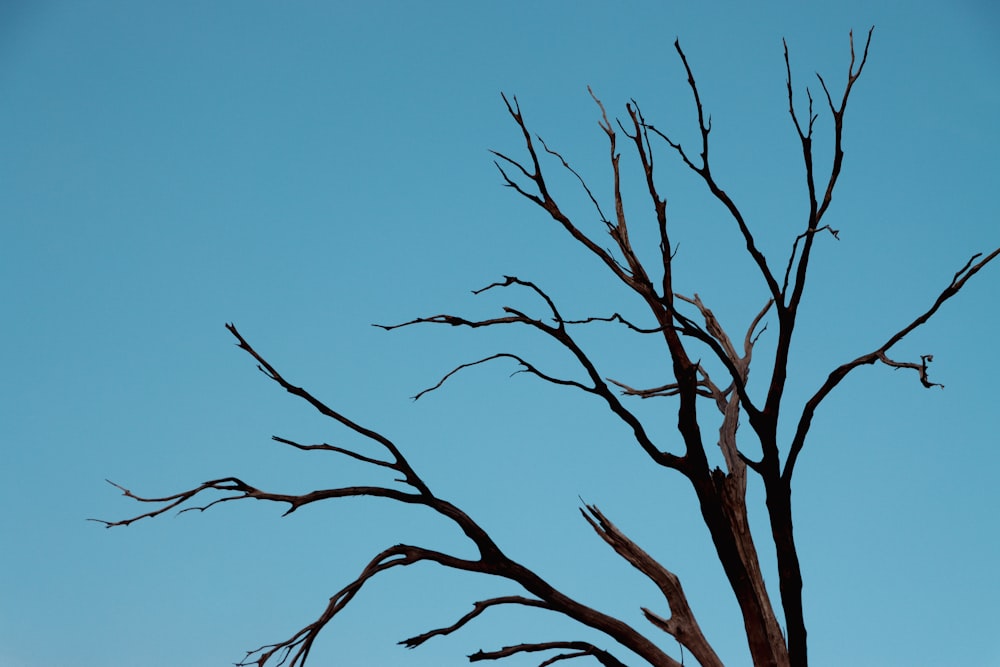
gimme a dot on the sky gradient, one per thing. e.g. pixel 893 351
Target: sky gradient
pixel 307 169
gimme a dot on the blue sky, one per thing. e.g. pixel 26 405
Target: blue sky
pixel 306 169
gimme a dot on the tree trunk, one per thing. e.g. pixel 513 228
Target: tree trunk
pixel 723 507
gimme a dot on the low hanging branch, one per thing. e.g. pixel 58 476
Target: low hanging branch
pixel 721 494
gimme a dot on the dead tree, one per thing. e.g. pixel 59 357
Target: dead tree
pixel 682 322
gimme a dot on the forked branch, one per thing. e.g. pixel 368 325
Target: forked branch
pixel 971 268
pixel 597 386
pixel 544 198
pixel 818 208
pixel 704 170
pixel 491 561
pixel 682 624
pixel 721 494
pixel 298 646
pixel 240 490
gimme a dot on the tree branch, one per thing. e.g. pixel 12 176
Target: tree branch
pixel 559 333
pixel 788 303
pixel 705 172
pixel 583 649
pixel 958 281
pixel 615 317
pixel 795 246
pixel 298 646
pixel 245 491
pixel 400 463
pixel 527 368
pixel 477 609
pixel 681 625
pixel 544 199
pixel 818 209
pixel 492 561
pixel 331 448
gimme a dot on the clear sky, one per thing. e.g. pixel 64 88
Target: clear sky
pixel 306 169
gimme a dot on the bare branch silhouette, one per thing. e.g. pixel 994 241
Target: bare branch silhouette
pixel 683 327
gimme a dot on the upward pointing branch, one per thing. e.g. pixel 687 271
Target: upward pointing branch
pixel 705 171
pixel 818 209
pixel 788 305
pixel 958 281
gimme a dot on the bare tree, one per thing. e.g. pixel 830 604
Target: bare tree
pixel 683 323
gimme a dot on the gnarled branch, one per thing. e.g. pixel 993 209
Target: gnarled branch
pixel 682 624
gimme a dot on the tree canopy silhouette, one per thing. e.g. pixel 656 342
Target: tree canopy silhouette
pixel 688 330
